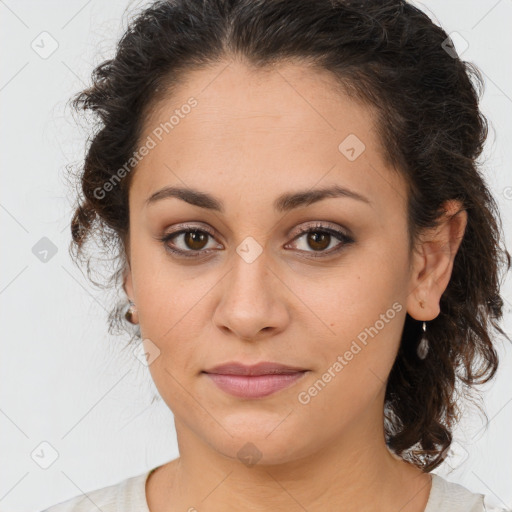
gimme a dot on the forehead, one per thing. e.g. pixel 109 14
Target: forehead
pixel 261 131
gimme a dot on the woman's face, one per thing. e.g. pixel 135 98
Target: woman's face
pixel 249 287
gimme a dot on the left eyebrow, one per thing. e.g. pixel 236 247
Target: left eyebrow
pixel 290 201
pixel 283 203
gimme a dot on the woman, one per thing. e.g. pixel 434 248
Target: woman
pixel 310 254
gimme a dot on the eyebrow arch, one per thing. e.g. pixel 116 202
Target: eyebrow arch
pixel 283 203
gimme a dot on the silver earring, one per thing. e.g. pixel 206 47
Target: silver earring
pixel 423 345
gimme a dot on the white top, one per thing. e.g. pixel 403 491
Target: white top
pixel 130 496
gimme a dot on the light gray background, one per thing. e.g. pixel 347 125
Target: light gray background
pixel 64 381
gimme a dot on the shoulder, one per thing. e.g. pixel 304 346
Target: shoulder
pixel 452 497
pixel 128 495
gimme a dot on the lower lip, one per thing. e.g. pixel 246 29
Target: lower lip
pixel 255 386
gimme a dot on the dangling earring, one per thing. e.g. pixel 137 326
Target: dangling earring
pixel 423 345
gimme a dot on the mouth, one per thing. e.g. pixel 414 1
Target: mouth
pixel 254 381
pixel 254 386
pixel 263 368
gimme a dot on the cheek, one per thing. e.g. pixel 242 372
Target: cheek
pixel 354 360
pixel 360 314
pixel 167 293
pixel 172 303
pixel 354 294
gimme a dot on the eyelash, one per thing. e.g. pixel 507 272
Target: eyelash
pixel 317 228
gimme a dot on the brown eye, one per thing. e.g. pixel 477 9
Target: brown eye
pixel 318 240
pixel 188 242
pixel 195 240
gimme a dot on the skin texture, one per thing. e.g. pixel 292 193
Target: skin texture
pixel 253 136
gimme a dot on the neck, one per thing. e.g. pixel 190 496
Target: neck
pixel 355 472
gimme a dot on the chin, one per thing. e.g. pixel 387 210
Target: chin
pixel 263 442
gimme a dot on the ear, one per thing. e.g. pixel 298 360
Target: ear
pixel 432 263
pixel 127 273
pixel 127 282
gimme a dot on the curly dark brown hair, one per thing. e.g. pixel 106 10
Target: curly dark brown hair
pixel 390 55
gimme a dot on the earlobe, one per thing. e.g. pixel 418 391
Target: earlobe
pixel 433 262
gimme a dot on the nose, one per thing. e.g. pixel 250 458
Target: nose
pixel 253 300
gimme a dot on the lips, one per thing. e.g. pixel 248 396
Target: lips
pixel 254 381
pixel 263 368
